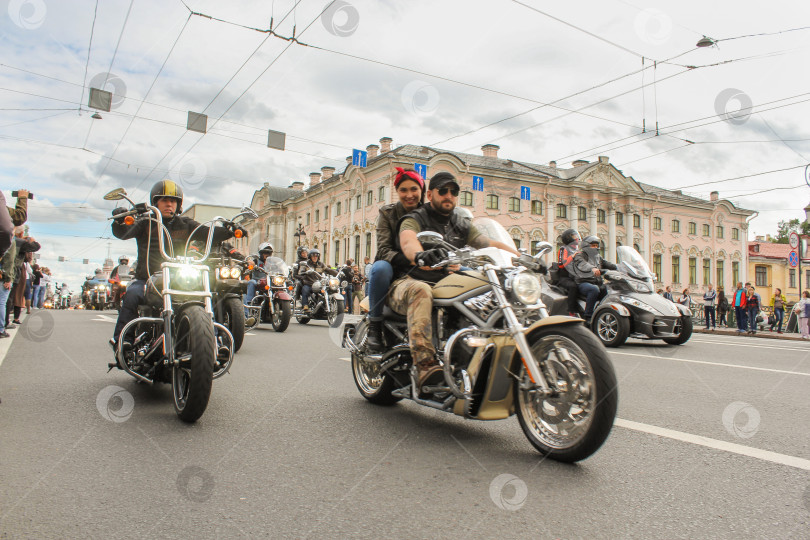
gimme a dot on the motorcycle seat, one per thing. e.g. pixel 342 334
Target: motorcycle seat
pixel 392 315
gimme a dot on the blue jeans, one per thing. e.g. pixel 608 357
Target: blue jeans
pixel 752 318
pixel 34 295
pixel 41 299
pixel 778 318
pixel 591 293
pixel 129 307
pixel 348 299
pixel 251 292
pixel 740 315
pixel 379 281
pixel 3 299
pixel 306 290
pixel 28 285
pixel 708 312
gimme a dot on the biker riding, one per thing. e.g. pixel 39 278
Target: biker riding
pixel 313 263
pixel 265 251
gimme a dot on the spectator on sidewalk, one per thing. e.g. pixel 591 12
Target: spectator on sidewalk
pixel 802 309
pixel 366 272
pixel 739 308
pixel 357 280
pixel 6 228
pixel 709 298
pixel 668 294
pixel 778 302
pixel 7 280
pixel 685 299
pixel 753 302
pixel 722 307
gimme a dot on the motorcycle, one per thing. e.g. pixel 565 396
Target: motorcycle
pixel 631 308
pixel 99 296
pixel 325 302
pixel 63 299
pixel 272 302
pixel 500 352
pixel 119 290
pixel 227 288
pixel 175 336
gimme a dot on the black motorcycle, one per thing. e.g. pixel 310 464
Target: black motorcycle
pixel 272 302
pixel 227 288
pixel 631 308
pixel 325 302
pixel 175 340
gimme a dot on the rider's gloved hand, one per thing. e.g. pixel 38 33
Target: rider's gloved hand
pixel 430 257
pixel 118 211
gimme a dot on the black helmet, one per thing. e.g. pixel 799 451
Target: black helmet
pixel 592 239
pixel 167 188
pixel 312 252
pixel 266 247
pixel 569 235
pixel 123 260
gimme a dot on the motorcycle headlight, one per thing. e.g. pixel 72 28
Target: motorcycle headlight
pixel 278 281
pixel 317 286
pixel 334 283
pixel 526 288
pixel 640 286
pixel 186 278
pixel 224 272
pixel 235 272
pixel 639 304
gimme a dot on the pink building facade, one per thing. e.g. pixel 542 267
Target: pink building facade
pixel 688 241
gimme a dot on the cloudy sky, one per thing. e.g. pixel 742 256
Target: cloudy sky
pixel 543 80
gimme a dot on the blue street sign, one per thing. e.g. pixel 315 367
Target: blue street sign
pixel 793 259
pixel 525 193
pixel 478 183
pixel 359 158
pixel 421 169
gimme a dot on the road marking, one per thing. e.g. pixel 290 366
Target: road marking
pixel 713 342
pixel 346 359
pixel 5 343
pixel 712 363
pixel 104 318
pixel 765 455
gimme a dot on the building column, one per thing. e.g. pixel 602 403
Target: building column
pixel 645 228
pixel 550 212
pixel 593 208
pixel 611 219
pixel 573 212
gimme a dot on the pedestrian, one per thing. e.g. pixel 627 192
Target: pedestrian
pixel 358 285
pixel 36 282
pixel 16 300
pixel 7 276
pixel 722 307
pixel 348 291
pixel 43 288
pixel 366 271
pixel 752 304
pixel 739 308
pixel 668 294
pixel 685 299
pixel 660 292
pixel 802 309
pixel 709 298
pixel 778 302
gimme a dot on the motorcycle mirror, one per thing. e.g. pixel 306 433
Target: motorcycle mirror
pixel 429 237
pixel 250 212
pixel 115 195
pixel 542 249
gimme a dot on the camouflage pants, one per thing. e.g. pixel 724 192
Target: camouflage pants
pixel 414 299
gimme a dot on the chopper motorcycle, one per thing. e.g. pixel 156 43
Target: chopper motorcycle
pixel 500 352
pixel 175 339
pixel 227 288
pixel 631 308
pixel 272 302
pixel 325 302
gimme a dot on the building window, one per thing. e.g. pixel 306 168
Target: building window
pixel 369 198
pixel 382 194
pixel 514 204
pixel 533 245
pixel 676 226
pixel 807 279
pixel 357 202
pixel 735 272
pixel 337 252
pixel 337 208
pixel 692 228
pixel 601 216
pixel 720 231
pixel 307 220
pixel 637 247
pixel 516 240
pixel 707 271
pixel 492 202
pixel 657 266
pixel 676 269
pixel 707 230
pixel 466 198
pixel 735 234
pixel 317 216
pixel 357 250
pixel 761 276
pixel 692 271
pixel 792 278
pixel 562 211
pixel 537 208
pixel 720 273
pixel 326 212
pixel 636 221
pixel 619 219
pixel 368 247
pixel 657 224
pixel 582 213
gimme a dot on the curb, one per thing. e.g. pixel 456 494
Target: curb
pixel 760 334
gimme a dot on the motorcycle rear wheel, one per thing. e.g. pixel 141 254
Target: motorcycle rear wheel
pixel 374 387
pixel 192 379
pixel 281 315
pixel 573 425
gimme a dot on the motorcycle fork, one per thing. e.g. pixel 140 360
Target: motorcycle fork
pixel 516 330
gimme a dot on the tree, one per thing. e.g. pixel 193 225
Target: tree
pixel 784 228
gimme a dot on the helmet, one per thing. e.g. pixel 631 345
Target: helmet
pixel 569 235
pixel 302 252
pixel 592 239
pixel 167 188
pixel 266 247
pixel 312 252
pixel 123 260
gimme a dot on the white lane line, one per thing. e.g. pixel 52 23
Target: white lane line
pixel 764 455
pixel 104 318
pixel 711 363
pixel 346 359
pixel 5 343
pixel 713 342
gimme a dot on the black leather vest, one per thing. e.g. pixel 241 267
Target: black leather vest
pixel 454 229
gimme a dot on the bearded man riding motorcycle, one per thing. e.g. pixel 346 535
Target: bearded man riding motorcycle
pixel 265 251
pixel 313 263
pixel 587 270
pixel 411 293
pixel 168 198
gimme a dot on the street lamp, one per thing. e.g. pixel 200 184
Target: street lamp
pixel 299 234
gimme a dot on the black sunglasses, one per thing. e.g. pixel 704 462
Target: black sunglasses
pixel 453 191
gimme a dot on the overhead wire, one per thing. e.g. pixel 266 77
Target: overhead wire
pixel 89 47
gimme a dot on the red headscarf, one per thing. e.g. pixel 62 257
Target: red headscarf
pixel 402 174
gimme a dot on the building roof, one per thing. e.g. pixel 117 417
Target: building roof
pixel 768 250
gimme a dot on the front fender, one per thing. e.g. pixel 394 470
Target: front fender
pixel 551 321
pixel 615 306
pixel 282 295
pixel 684 310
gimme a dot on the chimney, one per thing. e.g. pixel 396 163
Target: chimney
pixel 579 162
pixel 327 172
pixel 385 144
pixel 314 178
pixel 297 185
pixel 552 164
pixel 490 150
pixel 603 159
pixel 372 150
pixel 714 196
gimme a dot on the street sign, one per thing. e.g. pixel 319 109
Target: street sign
pixel 794 240
pixel 420 169
pixel 525 193
pixel 359 158
pixel 478 183
pixel 793 259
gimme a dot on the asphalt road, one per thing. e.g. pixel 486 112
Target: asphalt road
pixel 713 440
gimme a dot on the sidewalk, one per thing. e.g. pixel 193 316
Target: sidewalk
pixel 767 334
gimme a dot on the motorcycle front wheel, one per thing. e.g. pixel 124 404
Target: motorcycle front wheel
pixel 281 315
pixel 684 332
pixel 335 316
pixel 193 378
pixel 234 313
pixel 573 424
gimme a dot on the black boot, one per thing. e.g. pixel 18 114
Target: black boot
pixel 374 344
